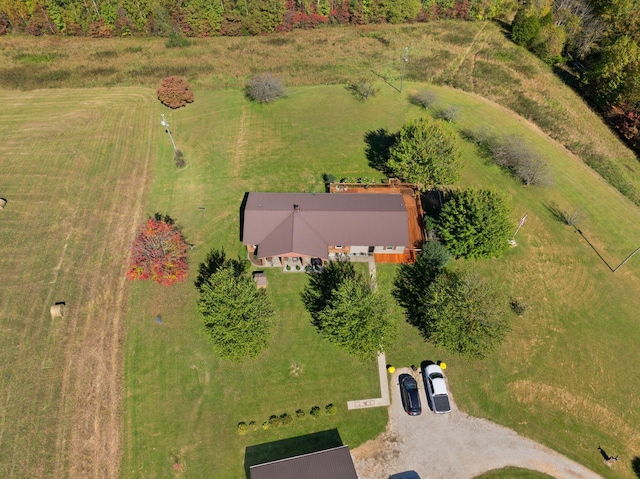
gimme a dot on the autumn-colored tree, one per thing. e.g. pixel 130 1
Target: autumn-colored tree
pixel 174 92
pixel 159 252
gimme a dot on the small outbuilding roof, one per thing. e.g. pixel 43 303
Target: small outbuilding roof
pixel 307 223
pixel 333 463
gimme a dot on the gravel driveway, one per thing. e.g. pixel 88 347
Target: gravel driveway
pixel 452 446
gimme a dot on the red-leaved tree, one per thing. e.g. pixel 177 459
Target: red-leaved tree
pixel 159 252
pixel 174 92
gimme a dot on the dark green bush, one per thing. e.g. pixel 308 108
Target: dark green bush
pixel 177 40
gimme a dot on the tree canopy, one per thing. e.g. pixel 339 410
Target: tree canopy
pixel 237 316
pixel 425 152
pixel 474 223
pixel 175 92
pixel 349 311
pixel 201 18
pixel 159 252
pixel 456 310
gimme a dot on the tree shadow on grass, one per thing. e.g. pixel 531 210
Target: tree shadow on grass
pixel 635 465
pixel 286 448
pixel 379 142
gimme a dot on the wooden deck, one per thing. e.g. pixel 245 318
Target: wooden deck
pixel 411 200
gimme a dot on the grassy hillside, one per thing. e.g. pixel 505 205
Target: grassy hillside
pixel 472 56
pixel 554 380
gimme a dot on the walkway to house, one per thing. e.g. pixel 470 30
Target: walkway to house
pixel 383 400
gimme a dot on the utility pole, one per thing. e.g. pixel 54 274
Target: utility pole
pixel 165 123
pixel 405 59
pixel 512 241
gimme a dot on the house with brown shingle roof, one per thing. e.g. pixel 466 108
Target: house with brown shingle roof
pixel 294 228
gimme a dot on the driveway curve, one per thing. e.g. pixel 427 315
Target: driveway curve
pixel 453 446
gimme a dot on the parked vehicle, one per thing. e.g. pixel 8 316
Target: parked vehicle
pixel 409 395
pixel 436 388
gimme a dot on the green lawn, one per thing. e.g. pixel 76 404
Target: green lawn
pixel 562 377
pixel 76 168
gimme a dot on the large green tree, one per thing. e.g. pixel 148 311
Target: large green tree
pixel 349 311
pixel 456 310
pixel 237 316
pixel 474 223
pixel 425 152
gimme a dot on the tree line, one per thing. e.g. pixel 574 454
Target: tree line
pixel 600 40
pixel 204 18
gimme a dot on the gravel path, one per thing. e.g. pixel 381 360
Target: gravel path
pixel 452 446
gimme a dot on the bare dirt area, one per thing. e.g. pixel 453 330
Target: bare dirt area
pixel 453 445
pixel 75 185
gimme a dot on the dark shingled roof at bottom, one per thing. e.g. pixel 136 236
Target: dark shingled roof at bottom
pixel 333 463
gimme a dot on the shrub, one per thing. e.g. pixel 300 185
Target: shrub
pixel 450 113
pixel 265 425
pixel 242 428
pixel 179 159
pixel 253 426
pixel 300 413
pixel 315 411
pixel 518 307
pixel 330 409
pixel 362 89
pixel 274 421
pixel 177 40
pixel 174 92
pixel 285 419
pixel 525 29
pixel 424 98
pixel 264 88
pixel 435 254
pixel 524 163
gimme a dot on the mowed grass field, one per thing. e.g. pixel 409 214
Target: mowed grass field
pixel 75 168
pixel 564 377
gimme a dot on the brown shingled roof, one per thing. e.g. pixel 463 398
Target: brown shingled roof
pixel 307 223
pixel 333 463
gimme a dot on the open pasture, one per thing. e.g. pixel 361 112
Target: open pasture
pixel 75 169
pixel 476 57
pixel 562 378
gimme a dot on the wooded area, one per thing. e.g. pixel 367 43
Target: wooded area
pixel 599 39
pixel 107 18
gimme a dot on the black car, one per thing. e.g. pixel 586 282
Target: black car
pixel 409 394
